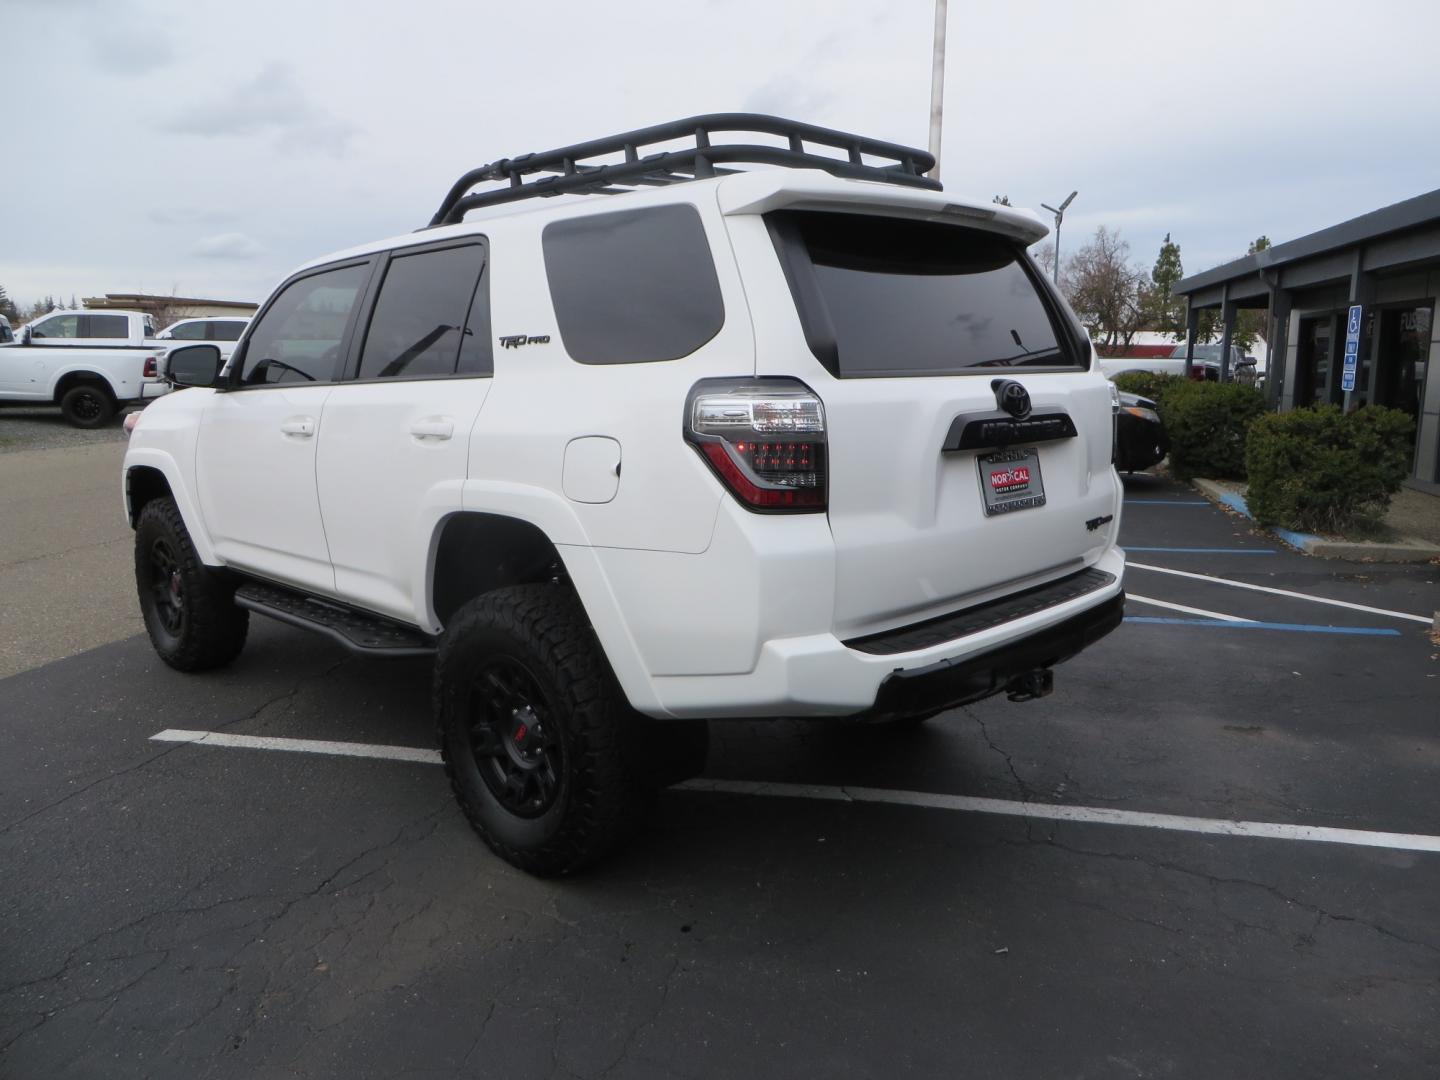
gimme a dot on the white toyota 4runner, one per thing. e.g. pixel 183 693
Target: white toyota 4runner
pixel 813 440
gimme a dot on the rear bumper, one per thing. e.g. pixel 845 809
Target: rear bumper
pixel 149 390
pixel 925 691
pixel 820 675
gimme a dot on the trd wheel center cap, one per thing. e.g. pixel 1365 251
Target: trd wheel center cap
pixel 527 739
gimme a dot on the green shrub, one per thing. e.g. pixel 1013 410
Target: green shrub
pixel 1148 384
pixel 1206 424
pixel 1319 470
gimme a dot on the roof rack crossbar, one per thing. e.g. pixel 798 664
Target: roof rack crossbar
pixel 569 173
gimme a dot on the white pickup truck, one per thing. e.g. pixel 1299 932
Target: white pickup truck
pixel 88 363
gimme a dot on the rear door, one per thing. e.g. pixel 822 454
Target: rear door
pixel 914 331
pixel 396 439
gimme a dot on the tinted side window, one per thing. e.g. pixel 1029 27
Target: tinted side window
pixel 633 286
pixel 298 338
pixel 477 350
pixel 223 330
pixel 190 331
pixel 419 319
pixel 61 326
pixel 106 326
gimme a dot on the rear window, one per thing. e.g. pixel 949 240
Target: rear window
pixel 107 326
pixel 634 286
pixel 225 330
pixel 889 297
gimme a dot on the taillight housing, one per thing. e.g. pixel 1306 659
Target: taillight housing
pixel 764 438
pixel 152 367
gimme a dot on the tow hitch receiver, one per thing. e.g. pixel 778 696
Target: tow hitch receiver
pixel 1031 685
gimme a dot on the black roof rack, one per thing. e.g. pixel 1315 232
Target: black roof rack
pixel 570 175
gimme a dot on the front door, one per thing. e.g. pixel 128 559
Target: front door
pixel 1315 354
pixel 255 463
pixel 395 448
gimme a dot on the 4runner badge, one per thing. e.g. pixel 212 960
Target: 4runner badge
pixel 514 341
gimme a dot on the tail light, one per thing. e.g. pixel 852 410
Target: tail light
pixel 152 367
pixel 764 439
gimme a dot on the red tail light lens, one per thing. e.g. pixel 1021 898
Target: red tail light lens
pixel 764 439
pixel 152 367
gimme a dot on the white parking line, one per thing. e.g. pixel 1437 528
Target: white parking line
pixel 1095 815
pixel 1281 592
pixel 300 746
pixel 1188 610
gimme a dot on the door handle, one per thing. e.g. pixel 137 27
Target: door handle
pixel 433 427
pixel 303 426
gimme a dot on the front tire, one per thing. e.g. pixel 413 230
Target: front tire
pixel 87 405
pixel 189 609
pixel 531 728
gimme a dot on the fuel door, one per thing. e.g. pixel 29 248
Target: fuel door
pixel 592 469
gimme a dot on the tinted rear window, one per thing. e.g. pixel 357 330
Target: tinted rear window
pixel 224 330
pixel 634 286
pixel 419 321
pixel 108 326
pixel 886 296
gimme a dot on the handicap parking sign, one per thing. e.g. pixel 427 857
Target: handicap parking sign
pixel 1352 349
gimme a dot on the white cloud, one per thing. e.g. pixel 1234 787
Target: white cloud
pixel 129 48
pixel 273 102
pixel 232 245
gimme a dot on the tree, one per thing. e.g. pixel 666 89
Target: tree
pixel 1166 311
pixel 1001 200
pixel 1110 296
pixel 7 306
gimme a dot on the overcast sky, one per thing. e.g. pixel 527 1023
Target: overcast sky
pixel 207 148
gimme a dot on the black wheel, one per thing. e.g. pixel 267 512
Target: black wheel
pixel 189 609
pixel 532 729
pixel 87 405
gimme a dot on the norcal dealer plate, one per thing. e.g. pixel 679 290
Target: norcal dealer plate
pixel 1010 480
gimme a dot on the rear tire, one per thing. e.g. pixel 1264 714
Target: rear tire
pixel 88 405
pixel 532 730
pixel 189 608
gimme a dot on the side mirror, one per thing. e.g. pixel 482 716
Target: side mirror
pixel 193 365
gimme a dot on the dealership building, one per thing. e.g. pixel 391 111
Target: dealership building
pixel 1387 263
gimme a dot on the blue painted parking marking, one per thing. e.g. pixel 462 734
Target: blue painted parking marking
pixel 1208 551
pixel 1297 628
pixel 1167 502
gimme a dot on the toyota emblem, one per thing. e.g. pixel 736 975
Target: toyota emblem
pixel 1013 398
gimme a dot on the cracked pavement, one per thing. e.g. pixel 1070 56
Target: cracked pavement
pixel 169 910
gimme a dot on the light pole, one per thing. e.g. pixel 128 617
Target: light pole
pixel 937 86
pixel 1059 217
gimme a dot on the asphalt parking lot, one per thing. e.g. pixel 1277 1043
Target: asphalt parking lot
pixel 1047 889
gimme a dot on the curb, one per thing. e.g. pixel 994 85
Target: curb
pixel 1403 551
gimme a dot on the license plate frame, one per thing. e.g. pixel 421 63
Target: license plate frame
pixel 1010 480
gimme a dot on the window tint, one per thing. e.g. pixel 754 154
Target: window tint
pixel 477 350
pixel 149 329
pixel 419 319
pixel 885 296
pixel 298 338
pixel 60 326
pixel 223 330
pixel 107 326
pixel 188 331
pixel 633 286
